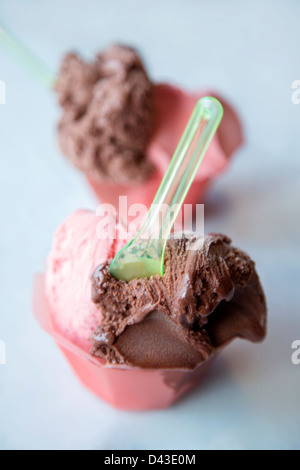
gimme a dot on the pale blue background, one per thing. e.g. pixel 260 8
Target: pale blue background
pixel 247 50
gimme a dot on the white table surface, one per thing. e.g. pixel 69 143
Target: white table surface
pixel 249 51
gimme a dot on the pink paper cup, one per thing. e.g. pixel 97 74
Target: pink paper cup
pixel 173 108
pixel 123 388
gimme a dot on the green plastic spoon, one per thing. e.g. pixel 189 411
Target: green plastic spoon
pixel 143 256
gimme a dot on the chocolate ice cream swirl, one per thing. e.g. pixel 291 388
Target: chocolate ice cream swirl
pixel 107 115
pixel 209 294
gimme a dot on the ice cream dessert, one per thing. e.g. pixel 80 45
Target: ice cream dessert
pixel 121 129
pixel 148 341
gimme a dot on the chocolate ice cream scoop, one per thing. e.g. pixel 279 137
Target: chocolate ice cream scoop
pixel 209 295
pixel 107 114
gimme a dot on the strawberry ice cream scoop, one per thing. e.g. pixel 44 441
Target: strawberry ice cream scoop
pixel 76 251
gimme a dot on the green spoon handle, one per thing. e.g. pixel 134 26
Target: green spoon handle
pixel 143 256
pixel 181 172
pixel 26 57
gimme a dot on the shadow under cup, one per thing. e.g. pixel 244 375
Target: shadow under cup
pixel 121 387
